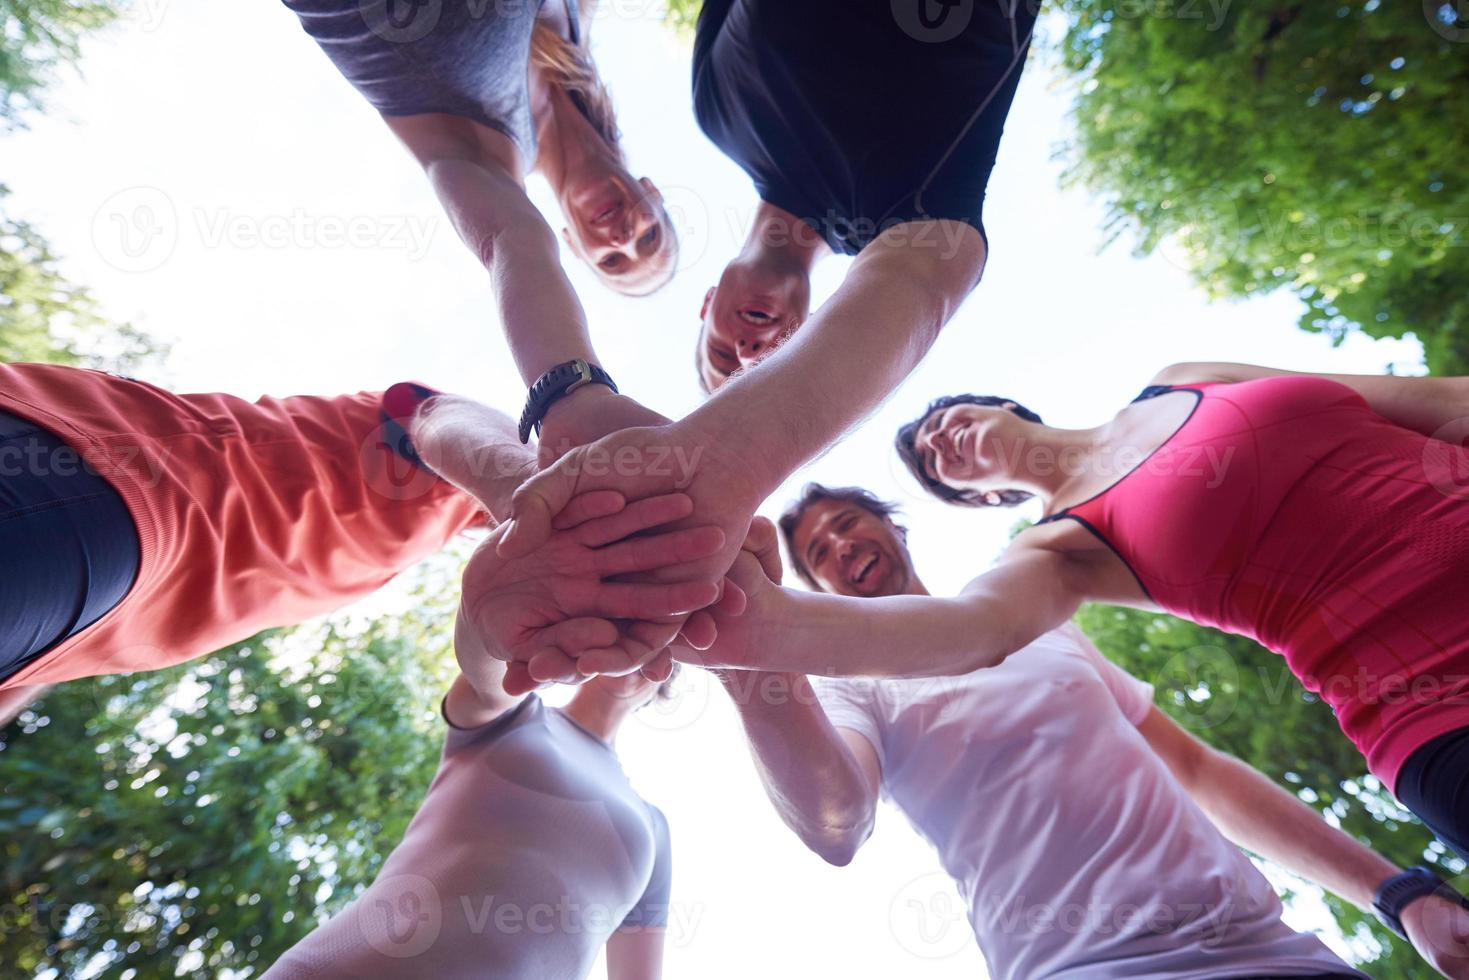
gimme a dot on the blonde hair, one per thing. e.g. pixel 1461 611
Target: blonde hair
pixel 569 67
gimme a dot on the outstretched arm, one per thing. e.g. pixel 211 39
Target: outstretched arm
pixel 1030 592
pixel 636 955
pixel 823 782
pixel 475 174
pixel 853 352
pixel 737 448
pixel 1261 817
pixel 1425 405
pixel 474 447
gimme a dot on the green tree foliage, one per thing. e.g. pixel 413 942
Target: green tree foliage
pixel 45 317
pixel 36 37
pixel 1268 145
pixel 199 820
pixel 1242 699
pixel 684 14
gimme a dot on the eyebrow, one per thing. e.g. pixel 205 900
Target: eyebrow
pixel 839 515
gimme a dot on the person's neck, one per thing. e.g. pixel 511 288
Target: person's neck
pixel 1071 457
pixel 569 145
pixel 599 714
pixel 781 242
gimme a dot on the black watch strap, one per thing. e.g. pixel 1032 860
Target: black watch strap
pixel 1402 890
pixel 554 385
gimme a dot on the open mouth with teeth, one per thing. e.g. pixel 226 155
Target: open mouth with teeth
pixel 863 568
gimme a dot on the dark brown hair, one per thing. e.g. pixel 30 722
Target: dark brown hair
pixel 907 446
pixel 815 493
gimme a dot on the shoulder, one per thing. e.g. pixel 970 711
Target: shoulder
pixel 1200 372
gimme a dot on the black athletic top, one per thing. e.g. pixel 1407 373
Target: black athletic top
pixel 857 115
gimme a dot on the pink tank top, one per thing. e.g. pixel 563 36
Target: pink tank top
pixel 1286 510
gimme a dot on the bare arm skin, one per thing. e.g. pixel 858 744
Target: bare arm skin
pixel 823 781
pixel 1261 817
pixel 476 173
pixel 853 352
pixel 1029 593
pixel 474 447
pixel 757 429
pixel 1424 405
pixel 635 955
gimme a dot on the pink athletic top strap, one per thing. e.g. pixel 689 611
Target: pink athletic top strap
pixel 1287 510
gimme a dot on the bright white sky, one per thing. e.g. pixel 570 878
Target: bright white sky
pixel 235 136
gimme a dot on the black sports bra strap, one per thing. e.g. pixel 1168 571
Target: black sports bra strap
pixel 1152 391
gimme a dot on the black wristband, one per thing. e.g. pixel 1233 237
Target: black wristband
pixel 555 385
pixel 1402 890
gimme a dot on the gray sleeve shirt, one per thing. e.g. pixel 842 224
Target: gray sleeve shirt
pixel 530 849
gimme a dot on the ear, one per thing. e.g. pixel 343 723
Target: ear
pixel 652 189
pixel 708 301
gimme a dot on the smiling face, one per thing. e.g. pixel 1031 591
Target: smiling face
pixel 851 551
pixel 749 314
pixel 619 227
pixel 971 447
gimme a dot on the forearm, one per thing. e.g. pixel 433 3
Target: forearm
pixel 474 447
pixel 543 319
pixel 1261 817
pixel 843 362
pixel 810 776
pixel 894 636
pixel 998 613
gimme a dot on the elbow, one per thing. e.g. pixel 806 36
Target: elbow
pixel 837 842
pixel 839 847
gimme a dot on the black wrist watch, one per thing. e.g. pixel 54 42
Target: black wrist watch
pixel 1400 891
pixel 555 385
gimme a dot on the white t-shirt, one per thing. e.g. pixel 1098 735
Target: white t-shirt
pixel 1078 853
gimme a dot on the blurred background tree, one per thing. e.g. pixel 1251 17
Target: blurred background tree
pixel 37 38
pixel 197 821
pixel 1319 149
pixel 684 14
pixel 46 317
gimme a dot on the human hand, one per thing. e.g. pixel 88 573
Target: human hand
pixel 638 463
pixel 1439 930
pixel 757 572
pixel 586 415
pixel 558 600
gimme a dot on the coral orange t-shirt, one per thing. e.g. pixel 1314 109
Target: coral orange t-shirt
pixel 249 515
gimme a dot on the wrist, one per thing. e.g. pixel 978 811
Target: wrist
pixel 565 421
pixel 738 429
